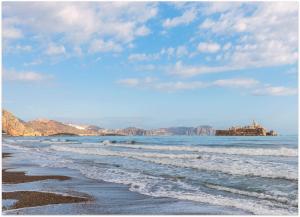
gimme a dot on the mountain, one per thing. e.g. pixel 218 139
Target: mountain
pixel 132 131
pixel 13 126
pixel 184 131
pixel 51 127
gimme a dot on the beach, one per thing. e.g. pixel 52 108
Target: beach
pixel 88 196
pixel 64 178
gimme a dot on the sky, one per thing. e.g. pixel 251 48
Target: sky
pixel 149 64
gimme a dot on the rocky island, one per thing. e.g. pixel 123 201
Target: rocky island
pixel 251 130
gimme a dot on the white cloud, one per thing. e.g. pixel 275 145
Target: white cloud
pixel 186 18
pixel 219 7
pixel 227 46
pixel 104 46
pixel 129 82
pixel 17 48
pixel 133 82
pixel 143 57
pixel 178 52
pixel 276 91
pixel 145 67
pixel 9 31
pixel 142 31
pixel 154 83
pixel 208 47
pixel 253 86
pixel 180 85
pixel 188 71
pixel 181 51
pixel 266 33
pixel 168 51
pixel 23 48
pixel 292 71
pixel 34 62
pixel 236 82
pixel 54 49
pixel 27 76
pixel 78 24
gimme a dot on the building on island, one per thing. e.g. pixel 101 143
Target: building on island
pixel 251 130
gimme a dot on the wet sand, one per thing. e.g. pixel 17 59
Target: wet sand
pixel 102 198
pixel 34 198
pixel 4 155
pixel 21 177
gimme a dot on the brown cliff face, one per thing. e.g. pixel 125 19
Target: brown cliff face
pixel 13 126
pixel 50 127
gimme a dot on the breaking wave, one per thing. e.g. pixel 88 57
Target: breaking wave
pixel 288 152
pixel 228 165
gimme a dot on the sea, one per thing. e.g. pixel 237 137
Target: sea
pixel 256 175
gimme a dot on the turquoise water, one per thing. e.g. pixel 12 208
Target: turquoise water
pixel 254 174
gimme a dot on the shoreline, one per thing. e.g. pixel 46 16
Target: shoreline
pixel 26 199
pixel 105 197
pixel 21 177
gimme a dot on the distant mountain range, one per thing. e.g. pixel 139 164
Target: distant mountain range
pixel 14 126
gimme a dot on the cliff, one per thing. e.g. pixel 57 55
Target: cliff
pixel 14 126
pixel 183 131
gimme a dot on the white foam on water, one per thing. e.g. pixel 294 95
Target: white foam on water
pixel 253 194
pixel 288 152
pixel 105 152
pixel 229 164
pixel 60 142
pixel 159 186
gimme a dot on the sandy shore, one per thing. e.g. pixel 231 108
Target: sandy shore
pixel 20 177
pixel 33 198
pixel 99 197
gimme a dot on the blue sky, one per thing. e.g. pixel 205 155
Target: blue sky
pixel 152 64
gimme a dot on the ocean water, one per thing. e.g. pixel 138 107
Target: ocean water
pixel 258 175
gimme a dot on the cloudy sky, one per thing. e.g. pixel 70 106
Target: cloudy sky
pixel 152 64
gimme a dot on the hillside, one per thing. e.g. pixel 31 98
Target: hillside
pixel 51 127
pixel 14 126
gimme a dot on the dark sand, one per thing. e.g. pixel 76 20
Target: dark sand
pixel 4 155
pixel 35 198
pixel 20 177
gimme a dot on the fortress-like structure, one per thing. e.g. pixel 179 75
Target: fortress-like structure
pixel 251 130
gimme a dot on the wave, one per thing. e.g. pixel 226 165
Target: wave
pixel 276 198
pixel 288 152
pixel 152 185
pixel 60 142
pixel 105 152
pixel 159 187
pixel 228 165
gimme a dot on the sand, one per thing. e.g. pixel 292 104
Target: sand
pixel 34 198
pixel 21 177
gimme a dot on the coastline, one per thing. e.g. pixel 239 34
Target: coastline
pixel 107 198
pixel 24 199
